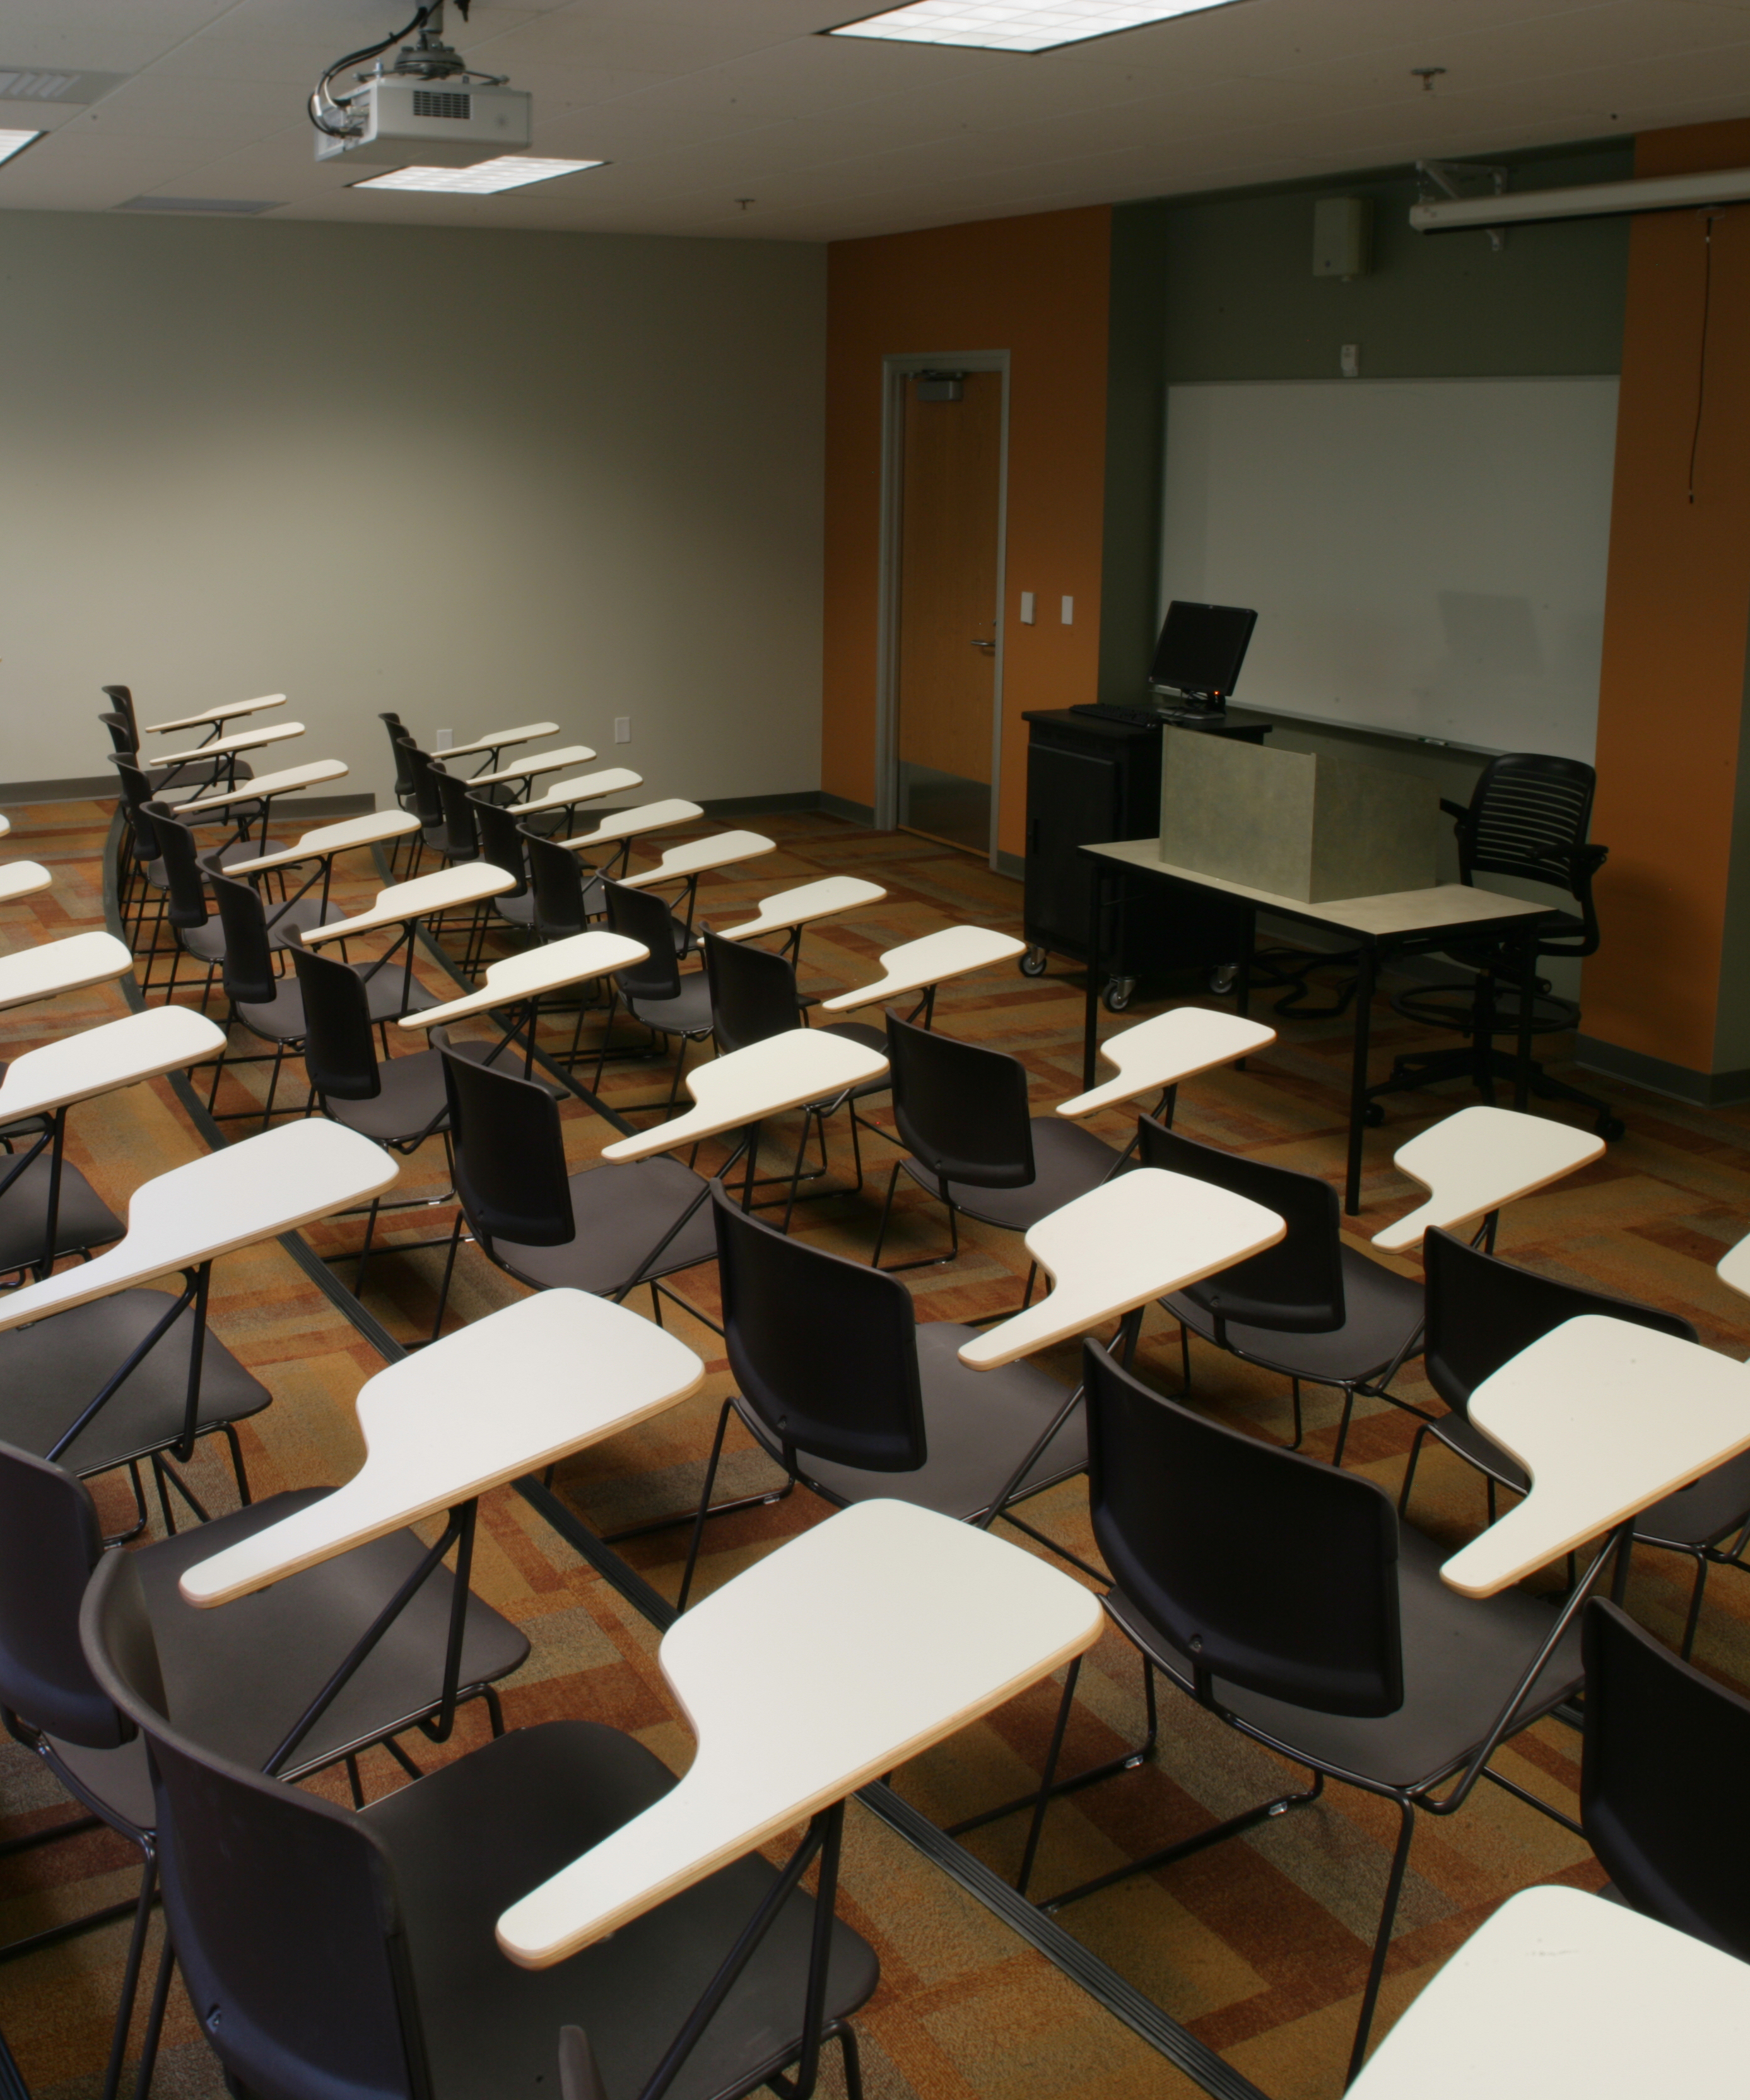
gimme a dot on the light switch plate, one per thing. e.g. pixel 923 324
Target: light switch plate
pixel 623 729
pixel 1068 612
pixel 1027 614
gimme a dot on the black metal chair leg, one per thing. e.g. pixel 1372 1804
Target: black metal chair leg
pixel 1409 1470
pixel 704 1506
pixel 1382 1940
pixel 1030 1851
pixel 130 1975
pixel 160 1993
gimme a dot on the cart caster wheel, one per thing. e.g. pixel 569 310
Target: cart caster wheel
pixel 1032 965
pixel 1119 993
pixel 1222 978
pixel 1610 1128
pixel 1373 1115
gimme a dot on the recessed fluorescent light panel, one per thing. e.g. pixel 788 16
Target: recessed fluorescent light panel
pixel 515 171
pixel 15 142
pixel 1017 25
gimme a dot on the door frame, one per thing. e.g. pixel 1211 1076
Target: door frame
pixel 895 371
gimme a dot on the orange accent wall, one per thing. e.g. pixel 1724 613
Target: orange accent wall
pixel 1037 288
pixel 1676 622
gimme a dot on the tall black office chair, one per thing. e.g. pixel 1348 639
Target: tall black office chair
pixel 1528 818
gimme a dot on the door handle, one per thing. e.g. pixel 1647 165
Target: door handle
pixel 977 644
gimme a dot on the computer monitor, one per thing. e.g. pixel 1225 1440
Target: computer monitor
pixel 1201 650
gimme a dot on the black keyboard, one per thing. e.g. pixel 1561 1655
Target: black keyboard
pixel 1150 718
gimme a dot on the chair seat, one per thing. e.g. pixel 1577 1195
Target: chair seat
pixel 978 1426
pixel 1703 1513
pixel 687 1014
pixel 1383 1308
pixel 281 1019
pixel 287 925
pixel 205 942
pixel 1068 1160
pixel 620 1214
pixel 516 910
pixel 1461 1660
pixel 48 1372
pixel 477 1834
pixel 83 1221
pixel 872 1038
pixel 412 1101
pixel 1459 1433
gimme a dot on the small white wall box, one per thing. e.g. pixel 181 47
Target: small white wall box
pixel 431 124
pixel 1297 824
pixel 1341 233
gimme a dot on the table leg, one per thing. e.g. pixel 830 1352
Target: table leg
pixel 1091 1011
pixel 1242 1002
pixel 1364 1016
pixel 1522 1071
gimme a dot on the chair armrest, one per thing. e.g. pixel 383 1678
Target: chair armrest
pixel 1455 810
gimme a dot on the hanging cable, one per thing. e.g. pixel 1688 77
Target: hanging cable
pixel 1701 367
pixel 321 101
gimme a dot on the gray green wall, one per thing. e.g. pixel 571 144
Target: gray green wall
pixel 1221 288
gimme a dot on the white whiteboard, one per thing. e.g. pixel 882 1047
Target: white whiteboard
pixel 1425 555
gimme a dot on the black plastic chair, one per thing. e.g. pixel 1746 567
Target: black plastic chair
pixel 120 698
pixel 503 845
pixel 1528 818
pixel 197 931
pixel 1482 1312
pixel 1665 1749
pixel 1319 1625
pixel 1311 1308
pixel 333 1954
pixel 607 1229
pixel 838 1384
pixel 239 1677
pixel 962 1112
pixel 656 992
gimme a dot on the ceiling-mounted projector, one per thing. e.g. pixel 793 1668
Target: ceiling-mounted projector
pixel 428 107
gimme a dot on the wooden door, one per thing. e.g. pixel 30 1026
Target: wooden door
pixel 950 486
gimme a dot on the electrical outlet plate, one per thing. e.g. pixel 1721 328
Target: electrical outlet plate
pixel 623 729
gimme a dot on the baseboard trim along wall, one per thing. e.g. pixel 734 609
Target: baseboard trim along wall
pixel 1703 1090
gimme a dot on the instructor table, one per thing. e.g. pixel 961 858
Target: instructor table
pixel 1402 922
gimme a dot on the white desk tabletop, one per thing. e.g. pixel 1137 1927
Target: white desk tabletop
pixel 224 746
pixel 1735 1267
pixel 1608 1418
pixel 502 741
pixel 786 908
pixel 372 829
pixel 914 964
pixel 1560 1991
pixel 1124 1244
pixel 251 1191
pixel 700 856
pixel 294 777
pixel 98 1060
pixel 847 1651
pixel 23 878
pixel 462 882
pixel 1166 1048
pixel 532 763
pixel 1396 912
pixel 1477 1159
pixel 761 1080
pixel 563 1370
pixel 630 823
pixel 534 973
pixel 585 787
pixel 6 824
pixel 74 965
pixel 216 715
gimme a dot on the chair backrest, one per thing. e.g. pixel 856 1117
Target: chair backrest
pixel 120 698
pixel 49 1543
pixel 427 802
pixel 641 915
pixel 500 842
pixel 825 1350
pixel 399 740
pixel 186 906
pixel 340 1051
pixel 960 1110
pixel 1528 815
pixel 558 883
pixel 1665 1751
pixel 1295 1287
pixel 1481 1311
pixel 136 792
pixel 1273 1572
pixel 121 732
pixel 283 1909
pixel 753 992
pixel 463 841
pixel 247 967
pixel 510 1171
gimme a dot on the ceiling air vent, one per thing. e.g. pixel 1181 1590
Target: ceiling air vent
pixel 45 84
pixel 434 102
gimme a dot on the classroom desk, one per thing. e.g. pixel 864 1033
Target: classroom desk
pixel 489 747
pixel 921 965
pixel 231 747
pixel 582 788
pixel 263 788
pixel 740 1089
pixel 1165 1049
pixel 52 966
pixel 530 763
pixel 215 718
pixel 23 878
pixel 1477 1159
pixel 377 827
pixel 1403 922
pixel 520 982
pixel 1607 1418
pixel 621 829
pixel 1560 1991
pixel 789 910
